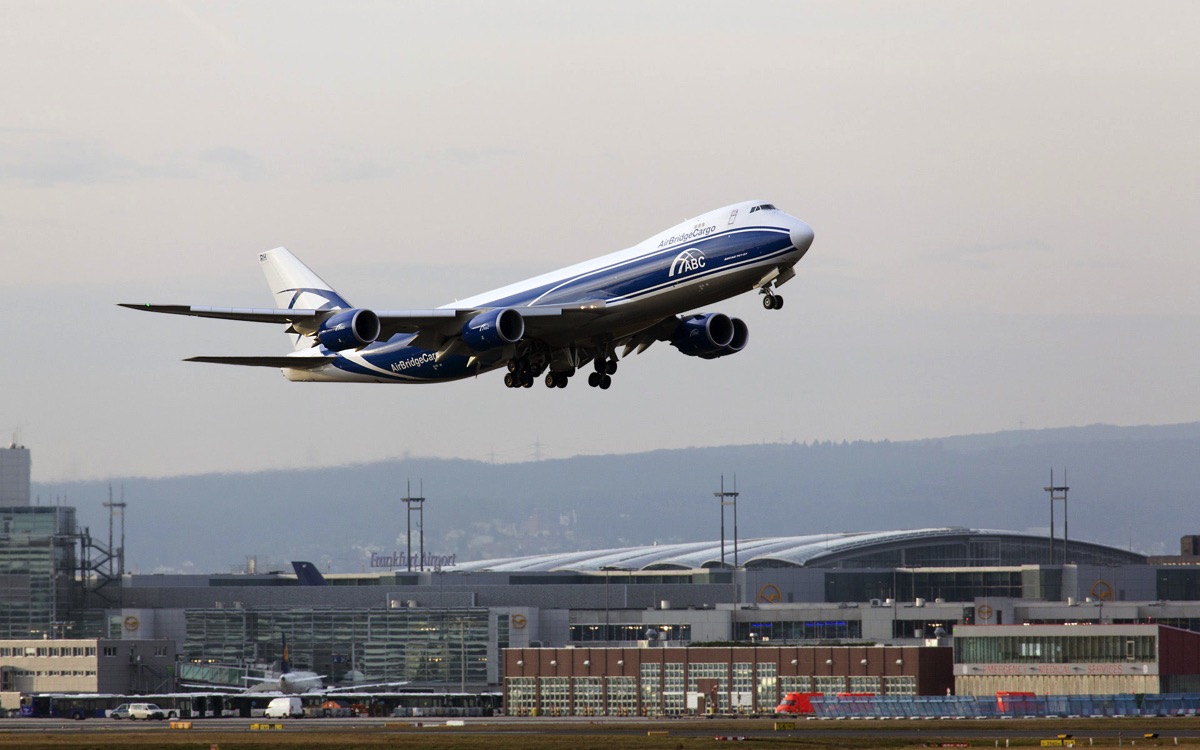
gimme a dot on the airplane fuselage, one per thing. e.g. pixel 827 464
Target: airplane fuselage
pixel 716 256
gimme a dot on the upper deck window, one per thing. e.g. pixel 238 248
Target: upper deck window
pixel 763 207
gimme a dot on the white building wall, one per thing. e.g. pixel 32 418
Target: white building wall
pixel 1100 684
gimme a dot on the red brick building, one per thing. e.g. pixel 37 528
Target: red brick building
pixel 671 681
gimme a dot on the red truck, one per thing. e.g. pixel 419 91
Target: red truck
pixel 796 703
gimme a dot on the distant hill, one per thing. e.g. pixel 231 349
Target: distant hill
pixel 1131 487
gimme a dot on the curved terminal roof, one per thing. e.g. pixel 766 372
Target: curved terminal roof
pixel 939 547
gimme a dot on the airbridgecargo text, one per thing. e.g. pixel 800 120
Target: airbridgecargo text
pixel 700 230
pixel 421 359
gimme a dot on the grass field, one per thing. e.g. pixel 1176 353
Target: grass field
pixel 605 736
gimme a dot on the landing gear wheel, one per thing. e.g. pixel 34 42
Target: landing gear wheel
pixel 562 381
pixel 510 380
pixel 527 381
pixel 605 382
pixel 611 367
pixel 594 379
pixel 769 301
pixel 778 302
pixel 551 380
pixel 514 365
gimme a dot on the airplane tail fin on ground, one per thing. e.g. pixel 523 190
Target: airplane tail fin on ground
pixel 295 285
pixel 307 574
pixel 285 661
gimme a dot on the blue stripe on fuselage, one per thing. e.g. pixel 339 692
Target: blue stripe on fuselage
pixel 620 282
pixel 629 279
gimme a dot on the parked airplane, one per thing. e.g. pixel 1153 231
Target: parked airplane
pixel 287 680
pixel 555 324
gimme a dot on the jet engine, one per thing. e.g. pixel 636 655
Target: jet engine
pixel 349 329
pixel 493 328
pixel 741 337
pixel 710 335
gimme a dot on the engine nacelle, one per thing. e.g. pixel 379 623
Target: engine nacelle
pixel 494 328
pixel 741 337
pixel 349 329
pixel 703 334
pixel 710 335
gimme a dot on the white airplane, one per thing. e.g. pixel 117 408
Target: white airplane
pixel 288 681
pixel 553 324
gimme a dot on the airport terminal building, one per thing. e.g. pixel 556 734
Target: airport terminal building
pixel 456 628
pixel 452 627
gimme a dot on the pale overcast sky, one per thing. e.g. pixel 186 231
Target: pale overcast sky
pixel 1004 197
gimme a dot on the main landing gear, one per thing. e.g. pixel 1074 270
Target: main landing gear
pixel 520 374
pixel 523 370
pixel 602 377
pixel 558 379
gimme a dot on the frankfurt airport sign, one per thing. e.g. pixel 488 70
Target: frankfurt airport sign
pixel 414 560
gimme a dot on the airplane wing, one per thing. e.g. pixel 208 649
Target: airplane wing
pixel 212 688
pixel 360 686
pixel 295 363
pixel 306 320
pixel 432 327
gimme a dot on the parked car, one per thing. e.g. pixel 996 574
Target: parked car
pixel 133 711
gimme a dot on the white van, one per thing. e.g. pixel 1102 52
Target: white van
pixel 287 707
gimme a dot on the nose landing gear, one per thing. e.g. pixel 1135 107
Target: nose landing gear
pixel 770 300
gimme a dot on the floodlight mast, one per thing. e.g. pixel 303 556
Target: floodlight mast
pixel 728 498
pixel 1058 492
pixel 419 502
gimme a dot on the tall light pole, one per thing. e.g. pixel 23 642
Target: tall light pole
pixel 419 502
pixel 729 498
pixel 1058 492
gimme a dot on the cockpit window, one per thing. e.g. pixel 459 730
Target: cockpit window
pixel 763 207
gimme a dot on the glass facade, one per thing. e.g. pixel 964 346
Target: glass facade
pixel 37 571
pixel 1055 649
pixel 973 551
pixel 797 630
pixel 600 633
pixel 1178 584
pixel 446 646
pixel 948 585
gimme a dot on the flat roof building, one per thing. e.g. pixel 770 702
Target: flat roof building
pixel 699 680
pixel 1075 659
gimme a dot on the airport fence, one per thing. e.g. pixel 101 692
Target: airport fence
pixel 1031 706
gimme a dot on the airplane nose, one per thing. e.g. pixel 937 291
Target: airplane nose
pixel 802 236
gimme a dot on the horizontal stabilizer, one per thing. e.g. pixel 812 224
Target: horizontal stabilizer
pixel 295 363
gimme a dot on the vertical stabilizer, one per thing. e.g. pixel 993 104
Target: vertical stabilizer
pixel 285 662
pixel 294 285
pixel 307 574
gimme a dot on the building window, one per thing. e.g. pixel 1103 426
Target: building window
pixel 556 696
pixel 900 685
pixel 651 689
pixel 522 695
pixel 110 651
pixel 622 696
